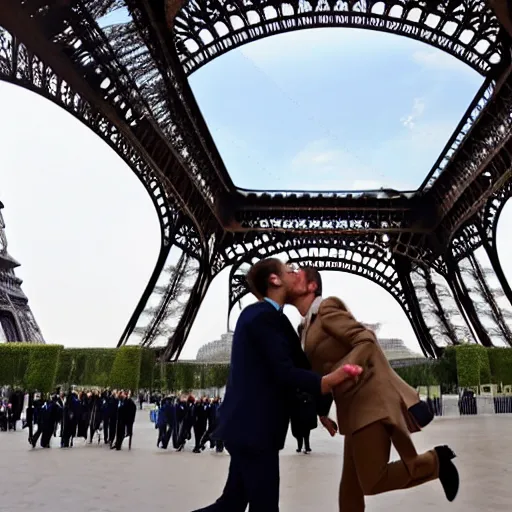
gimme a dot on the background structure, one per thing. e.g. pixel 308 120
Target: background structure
pixel 128 82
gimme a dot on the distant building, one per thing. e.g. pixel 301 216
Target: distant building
pixel 398 354
pixel 218 351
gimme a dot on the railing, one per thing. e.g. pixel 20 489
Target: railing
pixel 454 406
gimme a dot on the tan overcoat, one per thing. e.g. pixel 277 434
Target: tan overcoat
pixel 336 338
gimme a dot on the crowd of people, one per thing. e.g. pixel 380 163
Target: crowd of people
pixel 106 416
pixel 179 418
pixel 11 408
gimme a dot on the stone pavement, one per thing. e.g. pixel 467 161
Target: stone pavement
pixel 95 479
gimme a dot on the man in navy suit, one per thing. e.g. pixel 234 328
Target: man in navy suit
pixel 268 366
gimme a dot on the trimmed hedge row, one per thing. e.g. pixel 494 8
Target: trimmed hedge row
pixel 43 367
pixel 463 366
pixel 29 366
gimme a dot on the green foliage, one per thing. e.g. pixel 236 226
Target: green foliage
pixel 184 377
pixel 13 363
pixel 419 374
pixel 85 366
pixel 473 366
pixel 445 369
pixel 148 369
pixel 42 367
pixel 45 366
pixel 500 360
pixel 125 372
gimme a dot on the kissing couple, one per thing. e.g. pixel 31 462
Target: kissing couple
pixel 335 359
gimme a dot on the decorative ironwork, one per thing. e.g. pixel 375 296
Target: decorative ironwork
pixel 206 29
pixel 127 82
pixel 367 258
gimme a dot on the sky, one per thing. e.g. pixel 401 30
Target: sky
pixel 327 109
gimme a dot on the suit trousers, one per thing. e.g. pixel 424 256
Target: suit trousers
pixel 253 479
pixel 367 470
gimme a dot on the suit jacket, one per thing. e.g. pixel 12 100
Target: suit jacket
pixel 336 338
pixel 267 367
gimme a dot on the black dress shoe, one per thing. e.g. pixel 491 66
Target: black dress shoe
pixel 448 474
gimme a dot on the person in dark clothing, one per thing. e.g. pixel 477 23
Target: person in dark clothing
pixel 185 420
pixel 47 416
pixel 95 415
pixel 110 422
pixel 165 423
pixel 70 417
pixel 201 408
pixel 303 420
pixel 126 412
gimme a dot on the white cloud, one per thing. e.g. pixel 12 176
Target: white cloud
pixel 418 108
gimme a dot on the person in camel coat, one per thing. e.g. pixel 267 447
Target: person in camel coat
pixel 373 411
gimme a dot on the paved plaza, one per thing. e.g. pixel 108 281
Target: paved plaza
pixel 95 479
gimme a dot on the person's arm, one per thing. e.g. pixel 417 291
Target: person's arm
pixel 324 404
pixel 339 323
pixel 274 347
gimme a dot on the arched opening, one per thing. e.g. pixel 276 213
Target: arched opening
pixel 77 219
pixel 333 109
pixel 467 31
pixel 370 302
pixel 9 331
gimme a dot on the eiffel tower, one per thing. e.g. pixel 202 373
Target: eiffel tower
pixel 17 323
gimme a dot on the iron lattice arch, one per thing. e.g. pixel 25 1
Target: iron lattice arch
pixel 366 258
pixel 127 81
pixel 206 29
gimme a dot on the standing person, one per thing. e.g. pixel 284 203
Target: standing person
pixel 267 367
pixel 375 411
pixel 200 422
pixel 303 420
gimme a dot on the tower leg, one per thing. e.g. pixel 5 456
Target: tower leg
pixel 177 340
pixel 461 295
pixel 495 311
pixel 427 343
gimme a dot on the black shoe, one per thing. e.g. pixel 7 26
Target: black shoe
pixel 298 450
pixel 307 450
pixel 448 474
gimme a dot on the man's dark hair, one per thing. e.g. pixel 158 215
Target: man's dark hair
pixel 313 276
pixel 259 274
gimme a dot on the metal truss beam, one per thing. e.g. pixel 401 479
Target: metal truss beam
pixel 463 299
pixel 71 47
pixel 206 30
pixel 480 166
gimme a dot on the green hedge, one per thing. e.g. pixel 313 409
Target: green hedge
pixel 125 372
pixel 42 367
pixel 419 375
pixel 85 366
pixel 148 369
pixel 32 367
pixel 500 360
pixel 473 366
